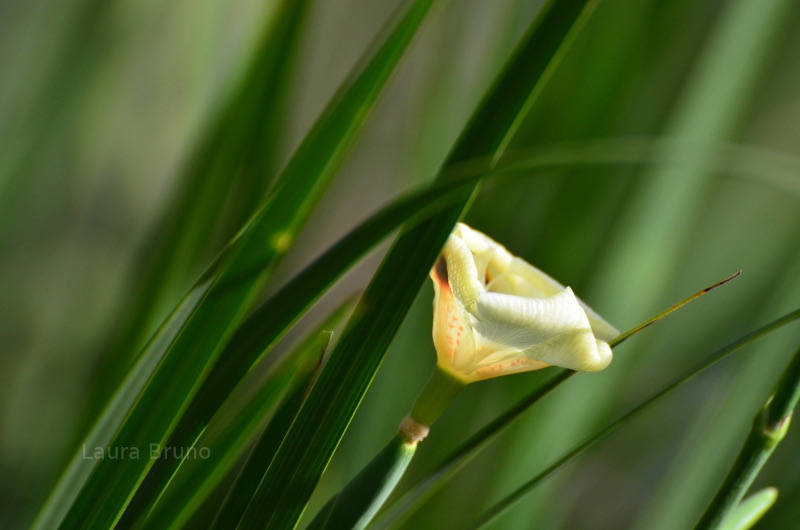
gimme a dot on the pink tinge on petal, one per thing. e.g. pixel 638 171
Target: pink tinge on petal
pixel 510 366
pixel 448 325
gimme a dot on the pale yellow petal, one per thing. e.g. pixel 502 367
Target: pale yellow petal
pixel 549 286
pixel 462 272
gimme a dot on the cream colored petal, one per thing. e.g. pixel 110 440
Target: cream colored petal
pixel 538 279
pixel 462 272
pixel 576 350
pixel 496 314
pixel 519 334
pixel 491 258
pixel 548 287
pixel 481 249
pixel 509 283
pixel 601 328
pixel 475 241
pixel 573 350
pixel 522 321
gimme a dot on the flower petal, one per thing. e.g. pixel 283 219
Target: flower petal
pixel 537 318
pixel 553 331
pixel 548 287
pixel 577 350
pixel 512 365
pixel 462 272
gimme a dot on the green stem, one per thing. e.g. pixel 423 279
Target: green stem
pixel 438 393
pixel 756 451
pixel 356 505
pixel 769 428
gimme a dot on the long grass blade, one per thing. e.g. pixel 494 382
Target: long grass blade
pixel 235 155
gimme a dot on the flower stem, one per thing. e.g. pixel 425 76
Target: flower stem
pixel 438 393
pixel 356 505
pixel 769 428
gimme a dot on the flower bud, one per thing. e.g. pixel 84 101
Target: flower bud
pixel 495 314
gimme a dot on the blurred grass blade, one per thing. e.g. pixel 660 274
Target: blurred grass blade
pixel 306 451
pixel 771 169
pixel 77 472
pixel 356 505
pixel 717 93
pixel 514 497
pixel 227 441
pixel 768 430
pixel 235 155
pixel 233 282
pixel 416 496
pixel 751 510
pixel 63 79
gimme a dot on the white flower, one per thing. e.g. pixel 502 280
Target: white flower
pixel 495 314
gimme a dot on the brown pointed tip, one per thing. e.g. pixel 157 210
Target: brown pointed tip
pixel 721 282
pixel 617 341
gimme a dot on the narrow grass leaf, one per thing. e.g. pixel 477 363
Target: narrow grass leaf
pixel 101 434
pixel 236 155
pixel 273 318
pixel 356 505
pixel 262 453
pixel 184 233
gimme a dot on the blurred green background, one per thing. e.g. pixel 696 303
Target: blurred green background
pixel 101 103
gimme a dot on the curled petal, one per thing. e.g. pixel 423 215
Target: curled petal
pixel 462 273
pixel 548 287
